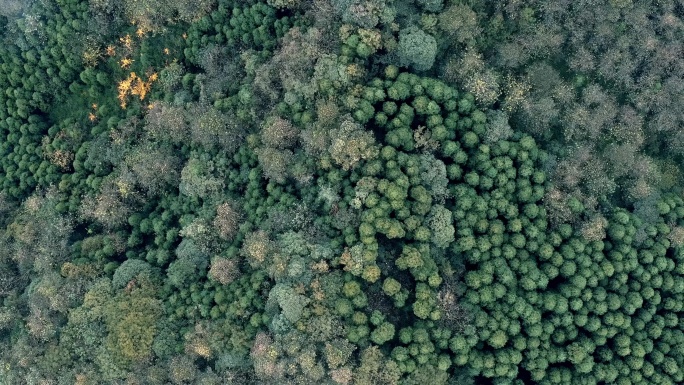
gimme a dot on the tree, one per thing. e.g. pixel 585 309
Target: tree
pixel 338 352
pixel 498 127
pixel 151 15
pixel 227 220
pixel 427 374
pixel 39 236
pixel 275 163
pixel 278 133
pixel 191 264
pixel 431 5
pixel 290 72
pixel 12 8
pixel 256 247
pixel 460 23
pixel 223 270
pixel 410 258
pixel 154 168
pixel 594 229
pixel 498 339
pixel 485 86
pixel 201 233
pixel 223 71
pixel 197 179
pixel 433 173
pixel 165 121
pixel 284 3
pixel 440 223
pixel 291 303
pixel 352 144
pixel 182 370
pixel 213 129
pixel 131 322
pixel 383 333
pixel 110 206
pixel 363 13
pixel 416 49
pixel 114 329
pixel 374 368
pixel 40 324
pixel 391 286
pixel 265 365
pixel 128 271
pixel 10 279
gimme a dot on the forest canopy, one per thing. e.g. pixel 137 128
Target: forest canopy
pixel 341 192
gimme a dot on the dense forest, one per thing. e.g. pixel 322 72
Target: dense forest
pixel 341 192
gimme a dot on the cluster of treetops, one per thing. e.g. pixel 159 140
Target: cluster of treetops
pixel 280 192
